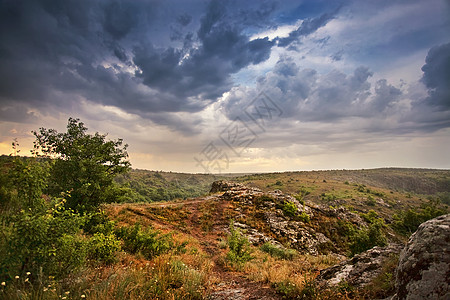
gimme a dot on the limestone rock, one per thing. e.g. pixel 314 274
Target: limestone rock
pixel 424 266
pixel 360 270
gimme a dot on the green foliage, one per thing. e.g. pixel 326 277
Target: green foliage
pixel 289 209
pixel 23 183
pixel 367 238
pixel 328 197
pixel 407 222
pixel 299 198
pixel 149 242
pixel 84 164
pixel 287 289
pixel 370 217
pixel 98 222
pixel 150 186
pixel 104 247
pixel 49 239
pixel 444 197
pixel 239 247
pixel 274 251
pixel 371 201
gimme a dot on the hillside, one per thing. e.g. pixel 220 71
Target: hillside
pixel 246 236
pixel 332 208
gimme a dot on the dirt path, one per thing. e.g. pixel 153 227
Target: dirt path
pixel 230 284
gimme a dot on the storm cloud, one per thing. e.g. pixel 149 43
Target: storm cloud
pixel 360 69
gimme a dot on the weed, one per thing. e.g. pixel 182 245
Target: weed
pixel 278 252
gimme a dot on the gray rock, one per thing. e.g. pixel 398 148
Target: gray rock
pixel 424 266
pixel 360 270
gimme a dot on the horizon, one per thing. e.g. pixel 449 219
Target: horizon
pixel 225 87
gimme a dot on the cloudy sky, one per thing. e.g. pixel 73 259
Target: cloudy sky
pixel 234 86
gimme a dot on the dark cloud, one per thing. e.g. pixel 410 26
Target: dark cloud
pixel 436 76
pixel 118 53
pixel 184 19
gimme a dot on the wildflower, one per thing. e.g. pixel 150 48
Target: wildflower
pixel 45 289
pixel 28 273
pixel 64 297
pixel 83 296
pixel 27 279
pixel 17 277
pixel 67 293
pixel 3 283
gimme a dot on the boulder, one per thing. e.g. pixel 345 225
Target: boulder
pixel 424 266
pixel 360 270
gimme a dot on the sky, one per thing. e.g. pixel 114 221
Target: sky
pixel 234 86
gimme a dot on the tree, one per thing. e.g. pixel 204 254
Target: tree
pixel 84 165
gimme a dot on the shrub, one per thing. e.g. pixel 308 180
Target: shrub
pixel 289 209
pixel 149 242
pixel 328 197
pixel 47 240
pixel 98 222
pixel 239 246
pixel 367 238
pixel 278 252
pixel 407 222
pixel 104 247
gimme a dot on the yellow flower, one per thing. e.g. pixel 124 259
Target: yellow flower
pixel 3 283
pixel 28 273
pixel 17 277
pixel 83 296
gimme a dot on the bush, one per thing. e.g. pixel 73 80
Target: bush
pixel 149 242
pixel 274 251
pixel 47 240
pixel 367 238
pixel 407 222
pixel 239 246
pixel 289 208
pixel 98 222
pixel 104 247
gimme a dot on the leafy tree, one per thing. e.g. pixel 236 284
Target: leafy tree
pixel 84 164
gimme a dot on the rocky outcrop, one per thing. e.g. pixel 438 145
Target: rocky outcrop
pixel 299 235
pixel 223 186
pixel 360 270
pixel 301 238
pixel 424 267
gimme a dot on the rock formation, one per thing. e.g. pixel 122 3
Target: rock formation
pixel 424 267
pixel 360 270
